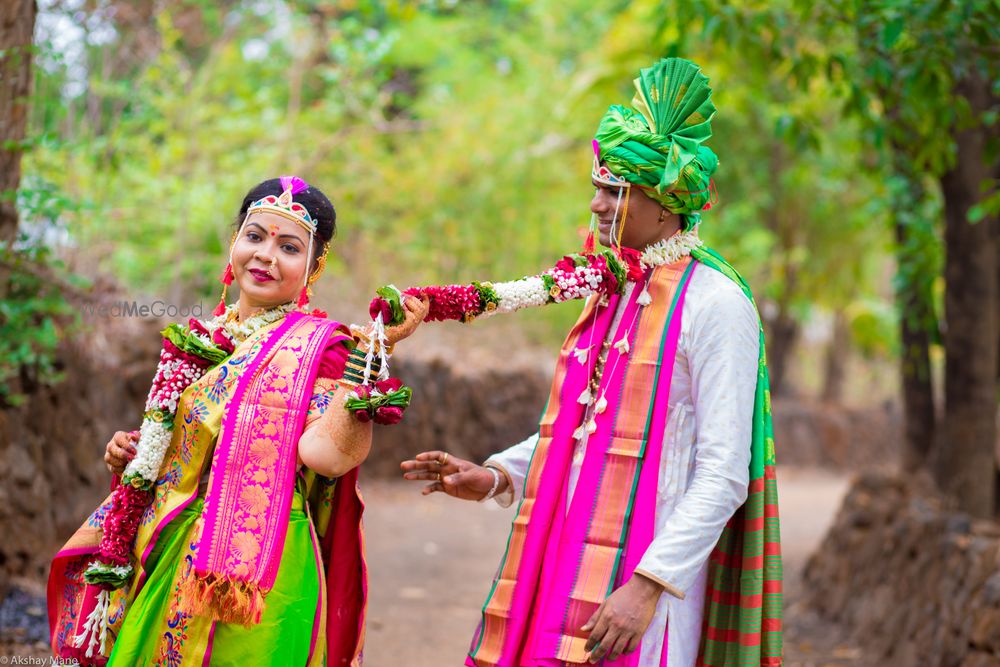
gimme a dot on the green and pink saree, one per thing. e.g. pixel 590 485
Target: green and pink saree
pixel 241 558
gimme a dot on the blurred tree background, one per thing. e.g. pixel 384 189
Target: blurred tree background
pixel 858 178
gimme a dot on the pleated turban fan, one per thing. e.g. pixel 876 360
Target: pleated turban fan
pixel 658 143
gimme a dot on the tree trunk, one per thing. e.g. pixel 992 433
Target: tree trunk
pixel 917 322
pixel 968 459
pixel 781 338
pixel 17 27
pixel 783 328
pixel 836 360
pixel 919 411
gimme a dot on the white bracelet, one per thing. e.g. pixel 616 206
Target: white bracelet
pixel 496 483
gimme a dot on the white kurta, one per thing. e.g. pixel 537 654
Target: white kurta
pixel 705 466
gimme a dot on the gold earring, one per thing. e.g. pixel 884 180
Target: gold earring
pixel 320 266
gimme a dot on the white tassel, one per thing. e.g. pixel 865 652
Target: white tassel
pixel 585 397
pixel 622 346
pixel 602 405
pixel 580 433
pixel 379 338
pixel 644 298
pixel 591 427
pixel 377 333
pixel 581 354
pixel 95 628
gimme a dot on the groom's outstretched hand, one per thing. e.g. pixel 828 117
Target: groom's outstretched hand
pixel 448 474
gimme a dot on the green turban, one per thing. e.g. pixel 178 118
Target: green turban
pixel 658 142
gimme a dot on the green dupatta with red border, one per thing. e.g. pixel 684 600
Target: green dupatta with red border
pixel 743 600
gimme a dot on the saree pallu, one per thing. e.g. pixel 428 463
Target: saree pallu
pixel 561 563
pixel 334 548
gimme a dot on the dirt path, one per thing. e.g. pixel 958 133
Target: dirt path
pixel 431 561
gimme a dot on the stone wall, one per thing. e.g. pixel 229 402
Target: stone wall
pixel 915 583
pixel 52 472
pixel 811 432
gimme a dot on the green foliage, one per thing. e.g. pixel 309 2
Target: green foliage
pixel 802 197
pixel 454 136
pixel 33 312
pixel 444 135
pixel 873 325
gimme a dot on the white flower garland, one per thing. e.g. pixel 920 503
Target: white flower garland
pixel 670 251
pixel 667 251
pixel 531 291
pixel 514 295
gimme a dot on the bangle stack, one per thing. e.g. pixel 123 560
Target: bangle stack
pixel 496 484
pixel 354 371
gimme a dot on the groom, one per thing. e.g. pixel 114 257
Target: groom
pixel 646 529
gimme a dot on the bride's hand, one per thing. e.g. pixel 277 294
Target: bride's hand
pixel 416 310
pixel 120 450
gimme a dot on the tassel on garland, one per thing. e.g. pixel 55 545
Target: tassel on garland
pixel 601 406
pixel 622 346
pixel 382 402
pixel 644 298
pixel 580 433
pixel 585 397
pixel 95 628
pixel 581 354
pixel 591 427
pixel 303 297
pixel 226 279
pixel 381 341
pixel 589 243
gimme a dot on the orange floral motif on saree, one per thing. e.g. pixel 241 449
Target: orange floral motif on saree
pixel 253 475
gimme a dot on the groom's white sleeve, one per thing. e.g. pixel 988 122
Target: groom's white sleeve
pixel 513 462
